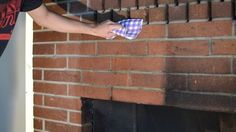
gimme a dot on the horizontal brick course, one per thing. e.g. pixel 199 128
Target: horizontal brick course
pixel 65 76
pixel 200 29
pixel 183 48
pixel 67 103
pixel 49 36
pixel 153 31
pixel 140 64
pixel 49 88
pixel 53 114
pixel 43 49
pixel 49 62
pixel 198 65
pixel 59 127
pixel 148 97
pixel 89 63
pixel 121 48
pixel 224 47
pixel 148 80
pixel 107 79
pixel 212 83
pixel 90 92
pixel 81 49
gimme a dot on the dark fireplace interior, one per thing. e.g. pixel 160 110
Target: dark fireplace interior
pixel 110 116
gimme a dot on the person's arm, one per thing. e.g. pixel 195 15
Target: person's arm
pixel 46 18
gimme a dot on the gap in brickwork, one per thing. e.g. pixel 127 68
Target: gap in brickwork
pixel 171 12
pixel 233 9
pixel 209 11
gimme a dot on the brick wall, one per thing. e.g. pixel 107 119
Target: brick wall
pixel 184 57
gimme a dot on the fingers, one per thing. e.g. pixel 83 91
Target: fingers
pixel 110 35
pixel 115 26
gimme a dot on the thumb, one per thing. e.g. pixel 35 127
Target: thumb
pixel 116 26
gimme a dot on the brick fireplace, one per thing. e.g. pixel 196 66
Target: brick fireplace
pixel 182 65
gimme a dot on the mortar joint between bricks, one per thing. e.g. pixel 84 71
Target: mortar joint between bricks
pixel 232 65
pixel 210 47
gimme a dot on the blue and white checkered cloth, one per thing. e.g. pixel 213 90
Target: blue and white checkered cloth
pixel 130 28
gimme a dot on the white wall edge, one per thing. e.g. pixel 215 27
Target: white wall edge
pixel 29 103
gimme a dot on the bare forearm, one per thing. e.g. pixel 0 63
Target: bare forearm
pixel 63 24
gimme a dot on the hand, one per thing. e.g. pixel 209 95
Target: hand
pixel 104 29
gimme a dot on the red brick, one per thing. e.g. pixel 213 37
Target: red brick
pixel 65 76
pixel 200 101
pixel 79 37
pixel 78 6
pixel 166 1
pixel 148 80
pixel 140 64
pixel 128 3
pixel 60 115
pixel 38 99
pixel 67 103
pixel 176 82
pixel 184 1
pixel 122 48
pixel 95 4
pixel 38 124
pixel 177 13
pixel 58 89
pixel 138 96
pixel 221 9
pixel 153 31
pixel 36 26
pixel 58 8
pixel 146 2
pixel 100 78
pixel 59 127
pixel 198 11
pixel 224 47
pixel 222 84
pixel 185 48
pixel 43 49
pixel 75 117
pixel 234 65
pixel 84 49
pixel 139 14
pixel 90 63
pixel 49 62
pixel 90 92
pixel 37 74
pixel 198 65
pixel 111 4
pixel 49 36
pixel 200 29
pixel 157 14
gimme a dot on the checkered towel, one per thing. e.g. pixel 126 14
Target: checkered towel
pixel 131 28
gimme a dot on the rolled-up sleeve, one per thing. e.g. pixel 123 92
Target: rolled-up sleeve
pixel 29 5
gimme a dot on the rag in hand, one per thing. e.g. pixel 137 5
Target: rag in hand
pixel 130 28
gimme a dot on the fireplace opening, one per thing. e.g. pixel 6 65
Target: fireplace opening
pixel 110 116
